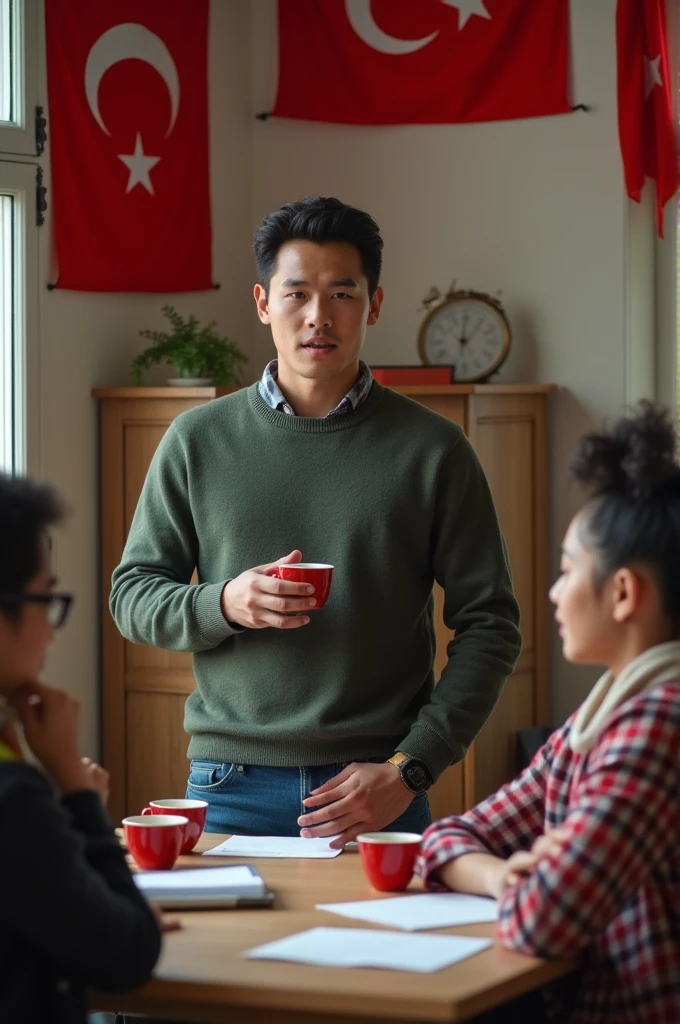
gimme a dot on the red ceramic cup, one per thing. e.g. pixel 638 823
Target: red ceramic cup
pixel 154 840
pixel 388 858
pixel 316 573
pixel 194 810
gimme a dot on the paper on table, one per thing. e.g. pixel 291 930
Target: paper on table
pixel 424 910
pixel 273 846
pixel 363 947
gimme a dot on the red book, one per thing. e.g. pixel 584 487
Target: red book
pixel 403 375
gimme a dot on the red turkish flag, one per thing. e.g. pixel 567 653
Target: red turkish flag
pixel 128 127
pixel 646 128
pixel 430 62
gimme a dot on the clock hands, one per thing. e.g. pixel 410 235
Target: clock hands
pixel 475 328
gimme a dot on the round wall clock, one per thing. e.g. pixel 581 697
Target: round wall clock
pixel 468 331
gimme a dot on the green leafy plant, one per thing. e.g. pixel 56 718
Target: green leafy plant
pixel 193 350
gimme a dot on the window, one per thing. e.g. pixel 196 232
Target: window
pixel 18 235
pixel 18 78
pixel 7 339
pixel 8 91
pixel 18 317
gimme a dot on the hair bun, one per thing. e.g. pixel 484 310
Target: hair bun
pixel 635 458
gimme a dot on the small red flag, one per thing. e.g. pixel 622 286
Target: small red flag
pixel 128 94
pixel 646 128
pixel 430 62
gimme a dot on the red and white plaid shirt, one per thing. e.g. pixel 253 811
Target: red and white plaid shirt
pixel 615 890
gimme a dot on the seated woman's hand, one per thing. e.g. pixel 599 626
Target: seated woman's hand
pixel 97 777
pixel 522 863
pixel 165 924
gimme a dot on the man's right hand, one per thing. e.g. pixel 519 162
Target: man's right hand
pixel 257 601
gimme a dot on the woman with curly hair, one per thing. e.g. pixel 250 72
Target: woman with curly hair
pixel 582 850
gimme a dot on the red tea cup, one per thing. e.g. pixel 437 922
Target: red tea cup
pixel 316 573
pixel 388 858
pixel 194 810
pixel 154 840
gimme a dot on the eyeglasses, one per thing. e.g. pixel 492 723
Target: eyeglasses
pixel 57 606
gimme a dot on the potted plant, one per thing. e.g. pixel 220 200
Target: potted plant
pixel 199 355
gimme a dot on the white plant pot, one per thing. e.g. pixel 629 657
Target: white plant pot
pixel 189 382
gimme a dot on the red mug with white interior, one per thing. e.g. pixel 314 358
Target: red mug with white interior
pixel 154 840
pixel 389 858
pixel 194 810
pixel 317 573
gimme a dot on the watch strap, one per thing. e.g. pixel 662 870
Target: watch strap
pixel 398 758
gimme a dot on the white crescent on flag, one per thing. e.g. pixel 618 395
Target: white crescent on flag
pixel 123 42
pixel 362 21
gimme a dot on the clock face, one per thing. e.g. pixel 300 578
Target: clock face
pixel 467 333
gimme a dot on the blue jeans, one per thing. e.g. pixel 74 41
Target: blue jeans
pixel 256 801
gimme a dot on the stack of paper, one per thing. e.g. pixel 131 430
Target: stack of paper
pixel 359 947
pixel 203 887
pixel 273 846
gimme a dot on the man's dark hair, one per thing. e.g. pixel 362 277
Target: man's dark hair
pixel 318 219
pixel 27 509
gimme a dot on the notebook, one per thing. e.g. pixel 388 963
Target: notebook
pixel 204 888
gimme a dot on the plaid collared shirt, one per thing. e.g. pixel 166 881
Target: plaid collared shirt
pixel 614 892
pixel 272 395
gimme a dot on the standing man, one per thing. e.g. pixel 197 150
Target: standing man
pixel 320 723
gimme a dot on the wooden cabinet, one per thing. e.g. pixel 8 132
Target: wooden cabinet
pixel 144 689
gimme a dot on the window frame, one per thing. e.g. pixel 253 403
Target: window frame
pixel 18 138
pixel 19 180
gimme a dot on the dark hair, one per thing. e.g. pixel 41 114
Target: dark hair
pixel 318 219
pixel 27 509
pixel 633 514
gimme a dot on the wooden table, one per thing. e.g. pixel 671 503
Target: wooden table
pixel 201 976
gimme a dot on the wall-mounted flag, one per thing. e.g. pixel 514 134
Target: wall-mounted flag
pixel 430 62
pixel 128 100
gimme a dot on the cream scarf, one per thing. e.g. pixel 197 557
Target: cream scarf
pixel 660 664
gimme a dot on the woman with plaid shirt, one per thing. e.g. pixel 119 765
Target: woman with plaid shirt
pixel 582 850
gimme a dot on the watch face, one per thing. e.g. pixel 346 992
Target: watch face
pixel 467 333
pixel 417 777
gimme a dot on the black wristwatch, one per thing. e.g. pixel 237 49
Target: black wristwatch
pixel 414 773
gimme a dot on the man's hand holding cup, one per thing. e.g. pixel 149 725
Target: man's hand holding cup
pixel 259 598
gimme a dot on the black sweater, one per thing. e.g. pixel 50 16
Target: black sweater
pixel 70 915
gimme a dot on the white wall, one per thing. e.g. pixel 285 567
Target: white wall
pixel 88 340
pixel 535 208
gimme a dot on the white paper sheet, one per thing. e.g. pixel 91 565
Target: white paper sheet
pixel 219 881
pixel 422 910
pixel 273 846
pixel 364 947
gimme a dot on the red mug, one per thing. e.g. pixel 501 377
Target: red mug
pixel 388 858
pixel 316 573
pixel 194 810
pixel 154 840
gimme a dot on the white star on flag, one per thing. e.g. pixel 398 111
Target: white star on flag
pixel 467 8
pixel 139 166
pixel 652 75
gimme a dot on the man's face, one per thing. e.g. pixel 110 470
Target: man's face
pixel 318 308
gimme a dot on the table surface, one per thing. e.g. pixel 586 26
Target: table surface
pixel 202 977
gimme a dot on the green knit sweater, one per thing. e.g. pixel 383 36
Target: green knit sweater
pixel 394 497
